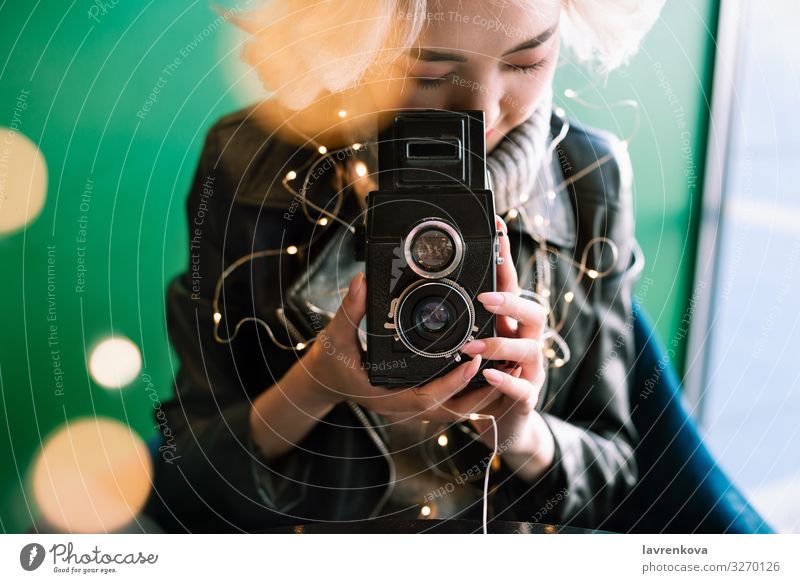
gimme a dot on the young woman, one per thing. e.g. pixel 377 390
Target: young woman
pixel 274 420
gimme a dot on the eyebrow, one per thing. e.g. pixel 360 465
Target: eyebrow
pixel 435 56
pixel 432 56
pixel 534 42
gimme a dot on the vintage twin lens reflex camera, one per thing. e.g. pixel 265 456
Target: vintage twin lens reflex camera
pixel 430 246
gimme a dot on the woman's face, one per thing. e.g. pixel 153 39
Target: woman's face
pixel 476 54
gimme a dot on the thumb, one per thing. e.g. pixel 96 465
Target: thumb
pixel 353 308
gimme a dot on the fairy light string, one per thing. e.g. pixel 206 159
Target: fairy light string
pixel 555 349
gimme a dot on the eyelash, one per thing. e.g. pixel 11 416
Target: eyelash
pixel 433 83
pixel 525 68
pixel 430 83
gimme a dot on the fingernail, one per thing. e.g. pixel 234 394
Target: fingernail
pixel 501 224
pixel 472 369
pixel 355 284
pixel 495 377
pixel 474 347
pixel 490 298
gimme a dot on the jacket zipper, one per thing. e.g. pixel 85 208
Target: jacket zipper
pixel 384 451
pixel 292 329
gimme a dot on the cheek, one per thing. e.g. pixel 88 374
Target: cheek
pixel 399 93
pixel 413 97
pixel 523 93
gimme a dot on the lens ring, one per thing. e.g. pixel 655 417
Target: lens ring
pixel 441 289
pixel 442 259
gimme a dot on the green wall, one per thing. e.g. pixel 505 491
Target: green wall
pixel 88 78
pixel 670 80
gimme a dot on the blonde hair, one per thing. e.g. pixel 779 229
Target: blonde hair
pixel 304 49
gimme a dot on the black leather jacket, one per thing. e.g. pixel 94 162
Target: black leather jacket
pixel 215 481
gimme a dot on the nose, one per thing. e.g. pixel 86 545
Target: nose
pixel 478 93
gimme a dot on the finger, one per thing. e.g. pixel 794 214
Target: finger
pixel 529 315
pixel 352 310
pixel 506 271
pixel 506 276
pixel 517 389
pixel 515 350
pixel 461 406
pixel 436 392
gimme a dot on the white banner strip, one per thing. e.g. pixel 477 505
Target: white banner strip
pixel 389 558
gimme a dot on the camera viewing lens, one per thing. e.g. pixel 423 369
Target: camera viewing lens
pixel 432 315
pixel 433 249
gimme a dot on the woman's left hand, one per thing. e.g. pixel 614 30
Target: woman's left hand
pixel 528 442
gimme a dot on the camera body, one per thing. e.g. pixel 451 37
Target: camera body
pixel 430 246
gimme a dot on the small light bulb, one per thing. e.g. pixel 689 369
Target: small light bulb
pixel 474 416
pixel 496 463
pixel 569 93
pixel 550 353
pixel 592 273
pixel 217 317
pixel 322 149
pixel 361 169
pixel 560 112
pixel 342 113
pixel 356 146
pixel 442 440
pixel 425 510
pixel 551 194
pixel 291 175
pixel 539 220
pixel 569 296
pixel 512 213
pixel 300 346
pixel 558 362
pixel 323 221
pixel 291 249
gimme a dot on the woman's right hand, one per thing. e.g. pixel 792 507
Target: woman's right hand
pixel 333 362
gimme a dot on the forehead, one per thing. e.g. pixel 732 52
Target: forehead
pixel 486 27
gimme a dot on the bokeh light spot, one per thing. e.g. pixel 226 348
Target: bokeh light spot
pixel 115 362
pixel 92 475
pixel 23 181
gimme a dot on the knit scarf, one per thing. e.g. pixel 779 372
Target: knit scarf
pixel 515 165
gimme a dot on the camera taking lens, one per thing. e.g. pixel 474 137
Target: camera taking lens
pixel 432 315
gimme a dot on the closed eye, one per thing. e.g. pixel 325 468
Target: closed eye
pixel 430 82
pixel 526 68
